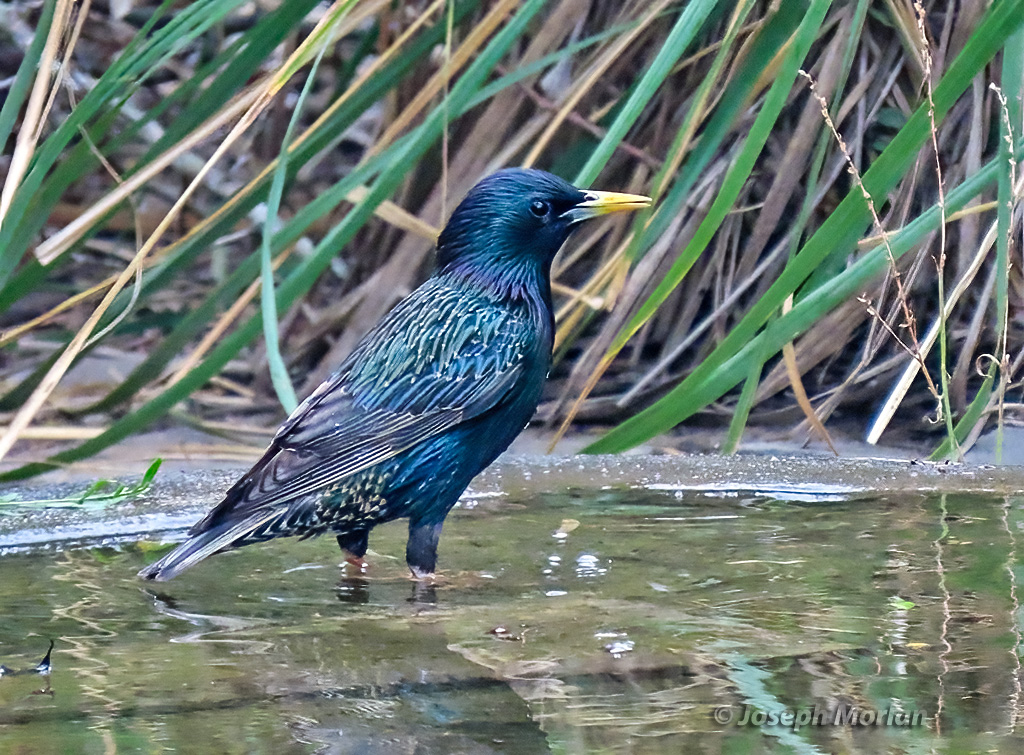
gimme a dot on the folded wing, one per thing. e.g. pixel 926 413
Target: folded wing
pixel 442 356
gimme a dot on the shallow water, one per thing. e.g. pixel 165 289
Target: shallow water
pixel 580 622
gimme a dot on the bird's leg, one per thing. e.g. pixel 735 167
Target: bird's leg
pixel 353 545
pixel 421 550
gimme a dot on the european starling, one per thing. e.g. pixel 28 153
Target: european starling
pixel 429 397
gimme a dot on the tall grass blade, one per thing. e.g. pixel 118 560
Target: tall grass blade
pixel 683 33
pixel 729 363
pixel 278 371
pixel 400 157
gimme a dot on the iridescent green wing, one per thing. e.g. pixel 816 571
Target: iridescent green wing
pixel 442 356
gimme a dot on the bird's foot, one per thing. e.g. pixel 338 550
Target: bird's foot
pixel 457 579
pixel 454 578
pixel 421 575
pixel 357 563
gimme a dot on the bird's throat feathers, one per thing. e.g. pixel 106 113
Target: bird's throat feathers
pixel 505 278
pixel 506 231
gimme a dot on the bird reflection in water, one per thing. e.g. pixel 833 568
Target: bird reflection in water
pixel 43 668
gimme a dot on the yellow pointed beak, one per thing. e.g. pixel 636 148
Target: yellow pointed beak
pixel 599 203
pixel 604 203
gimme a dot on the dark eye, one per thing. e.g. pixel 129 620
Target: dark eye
pixel 540 208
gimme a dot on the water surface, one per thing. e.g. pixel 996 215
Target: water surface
pixel 588 621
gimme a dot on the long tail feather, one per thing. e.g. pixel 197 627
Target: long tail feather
pixel 195 549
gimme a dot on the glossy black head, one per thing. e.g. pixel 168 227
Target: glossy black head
pixel 512 216
pixel 511 224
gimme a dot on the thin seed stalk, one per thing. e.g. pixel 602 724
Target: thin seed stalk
pixel 947 413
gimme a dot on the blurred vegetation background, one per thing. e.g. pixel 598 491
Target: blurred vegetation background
pixel 221 197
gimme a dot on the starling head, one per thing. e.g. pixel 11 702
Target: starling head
pixel 518 218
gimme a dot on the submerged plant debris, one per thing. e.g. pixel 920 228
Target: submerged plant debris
pixel 99 494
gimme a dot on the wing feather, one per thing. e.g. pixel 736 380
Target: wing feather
pixel 442 356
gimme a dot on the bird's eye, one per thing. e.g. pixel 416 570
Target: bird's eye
pixel 540 208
